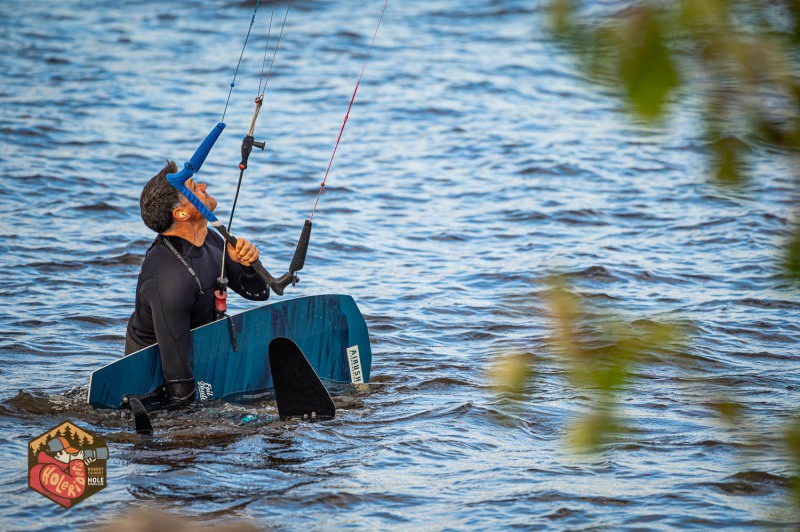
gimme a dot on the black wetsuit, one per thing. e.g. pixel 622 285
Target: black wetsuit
pixel 170 302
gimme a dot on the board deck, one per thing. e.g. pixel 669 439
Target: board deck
pixel 329 329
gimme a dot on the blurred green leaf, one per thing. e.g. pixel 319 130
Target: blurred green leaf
pixel 793 441
pixel 702 16
pixel 792 438
pixel 512 373
pixel 728 161
pixel 601 353
pixel 590 433
pixel 729 410
pixel 646 67
pixel 794 10
pixel 791 261
pixel 562 13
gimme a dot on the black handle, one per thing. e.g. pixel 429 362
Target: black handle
pixel 279 285
pixel 299 258
pixel 247 147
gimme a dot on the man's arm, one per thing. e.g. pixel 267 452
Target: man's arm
pixel 246 282
pixel 171 300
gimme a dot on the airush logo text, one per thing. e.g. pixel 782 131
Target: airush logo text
pixel 354 359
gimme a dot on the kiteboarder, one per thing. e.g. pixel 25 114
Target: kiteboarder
pixel 178 278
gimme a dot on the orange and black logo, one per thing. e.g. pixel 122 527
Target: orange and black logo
pixel 67 464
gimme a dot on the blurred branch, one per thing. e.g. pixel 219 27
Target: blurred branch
pixel 793 446
pixel 602 356
pixel 791 262
pixel 741 55
pixel 741 58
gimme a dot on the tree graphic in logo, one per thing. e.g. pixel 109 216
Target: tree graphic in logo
pixel 67 464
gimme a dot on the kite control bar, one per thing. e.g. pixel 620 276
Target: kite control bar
pixel 178 181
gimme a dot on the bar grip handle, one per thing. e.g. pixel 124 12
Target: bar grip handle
pixel 299 258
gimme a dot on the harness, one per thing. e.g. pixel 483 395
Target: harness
pixel 175 252
pixel 220 294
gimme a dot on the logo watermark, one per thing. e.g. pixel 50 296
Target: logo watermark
pixel 67 464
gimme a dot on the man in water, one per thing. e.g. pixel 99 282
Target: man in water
pixel 175 291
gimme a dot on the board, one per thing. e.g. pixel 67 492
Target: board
pixel 328 329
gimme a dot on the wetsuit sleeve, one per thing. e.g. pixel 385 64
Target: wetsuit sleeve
pixel 245 281
pixel 171 297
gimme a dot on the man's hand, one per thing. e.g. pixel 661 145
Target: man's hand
pixel 245 253
pixel 76 456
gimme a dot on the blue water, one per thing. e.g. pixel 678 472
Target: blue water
pixel 476 162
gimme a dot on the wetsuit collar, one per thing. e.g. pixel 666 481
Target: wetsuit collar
pixel 183 246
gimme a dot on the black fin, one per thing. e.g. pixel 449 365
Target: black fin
pixel 140 417
pixel 298 390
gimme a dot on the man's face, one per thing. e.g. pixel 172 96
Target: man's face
pixel 199 190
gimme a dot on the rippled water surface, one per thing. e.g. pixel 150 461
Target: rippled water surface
pixel 475 163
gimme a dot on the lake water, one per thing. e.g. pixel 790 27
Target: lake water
pixel 475 163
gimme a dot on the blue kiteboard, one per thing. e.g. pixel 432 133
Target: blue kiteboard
pixel 328 329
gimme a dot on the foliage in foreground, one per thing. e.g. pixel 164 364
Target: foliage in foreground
pixel 602 353
pixel 739 58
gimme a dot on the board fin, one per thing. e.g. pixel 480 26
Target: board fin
pixel 140 417
pixel 299 391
